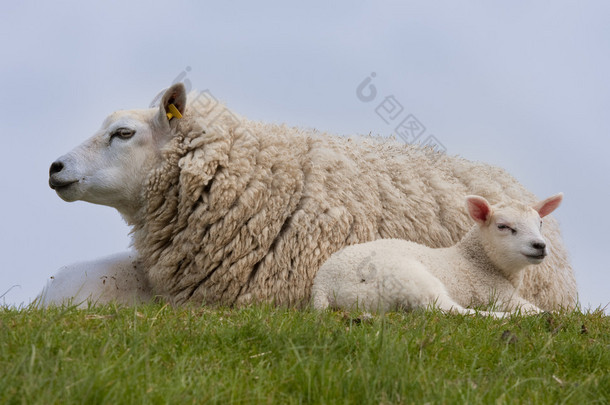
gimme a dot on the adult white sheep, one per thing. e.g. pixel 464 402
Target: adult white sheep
pixel 485 266
pixel 226 210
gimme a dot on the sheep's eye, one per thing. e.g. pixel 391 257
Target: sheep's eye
pixel 123 133
pixel 540 224
pixel 503 227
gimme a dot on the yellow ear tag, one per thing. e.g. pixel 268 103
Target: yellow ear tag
pixel 173 112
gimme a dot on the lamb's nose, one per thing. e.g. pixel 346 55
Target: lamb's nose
pixel 539 245
pixel 56 167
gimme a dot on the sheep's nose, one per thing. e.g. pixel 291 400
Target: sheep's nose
pixel 56 167
pixel 539 245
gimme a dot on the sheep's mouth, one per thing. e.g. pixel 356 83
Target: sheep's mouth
pixel 535 258
pixel 59 185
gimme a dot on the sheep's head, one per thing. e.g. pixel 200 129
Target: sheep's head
pixel 511 233
pixel 110 167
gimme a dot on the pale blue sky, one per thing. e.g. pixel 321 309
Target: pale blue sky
pixel 521 85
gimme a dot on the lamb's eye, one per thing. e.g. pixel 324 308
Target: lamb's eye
pixel 123 133
pixel 503 227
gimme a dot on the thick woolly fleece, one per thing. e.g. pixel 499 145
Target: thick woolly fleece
pixel 237 211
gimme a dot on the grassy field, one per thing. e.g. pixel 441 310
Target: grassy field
pixel 158 354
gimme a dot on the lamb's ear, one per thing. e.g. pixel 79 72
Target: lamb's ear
pixel 173 104
pixel 545 207
pixel 478 208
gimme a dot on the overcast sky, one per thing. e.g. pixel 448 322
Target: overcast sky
pixel 521 85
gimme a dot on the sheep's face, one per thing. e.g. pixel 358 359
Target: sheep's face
pixel 515 238
pixel 110 168
pixel 512 233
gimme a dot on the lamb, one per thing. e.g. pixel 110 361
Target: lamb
pixel 229 211
pixel 485 266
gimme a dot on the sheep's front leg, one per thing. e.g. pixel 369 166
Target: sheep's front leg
pixel 117 278
pixel 523 306
pixel 446 304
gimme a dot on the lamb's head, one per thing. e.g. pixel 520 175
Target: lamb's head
pixel 511 232
pixel 110 167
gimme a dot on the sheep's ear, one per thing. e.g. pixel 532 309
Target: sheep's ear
pixel 545 207
pixel 173 104
pixel 478 208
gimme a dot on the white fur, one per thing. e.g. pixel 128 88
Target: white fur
pixel 485 266
pixel 117 278
pixel 107 169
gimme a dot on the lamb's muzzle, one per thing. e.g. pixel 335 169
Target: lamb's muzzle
pixel 539 245
pixel 538 252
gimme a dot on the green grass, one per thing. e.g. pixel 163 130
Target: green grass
pixel 158 354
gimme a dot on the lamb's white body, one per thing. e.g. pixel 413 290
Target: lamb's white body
pixel 117 278
pixel 485 266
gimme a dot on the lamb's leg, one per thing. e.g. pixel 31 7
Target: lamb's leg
pixel 494 314
pixel 523 306
pixel 320 300
pixel 445 303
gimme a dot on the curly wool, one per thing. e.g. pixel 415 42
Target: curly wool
pixel 240 211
